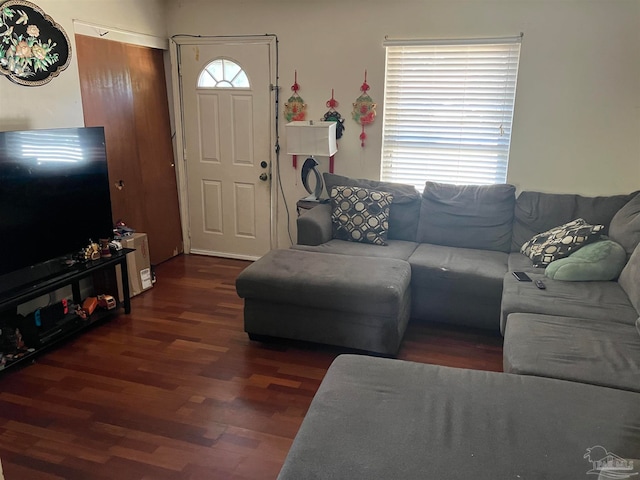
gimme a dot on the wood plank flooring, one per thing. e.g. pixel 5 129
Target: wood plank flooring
pixel 177 391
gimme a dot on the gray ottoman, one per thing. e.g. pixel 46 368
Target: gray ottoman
pixel 355 302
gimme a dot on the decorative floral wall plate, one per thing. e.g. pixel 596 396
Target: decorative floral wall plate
pixel 33 48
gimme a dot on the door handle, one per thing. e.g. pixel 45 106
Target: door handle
pixel 263 177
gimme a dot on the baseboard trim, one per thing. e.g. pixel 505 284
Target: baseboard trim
pixel 235 256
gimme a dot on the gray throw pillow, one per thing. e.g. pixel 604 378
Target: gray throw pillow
pixel 625 225
pixel 360 215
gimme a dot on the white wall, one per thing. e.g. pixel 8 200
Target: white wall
pixel 58 103
pixel 577 119
pixel 577 122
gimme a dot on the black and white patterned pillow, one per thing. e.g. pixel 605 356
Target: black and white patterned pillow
pixel 560 242
pixel 360 215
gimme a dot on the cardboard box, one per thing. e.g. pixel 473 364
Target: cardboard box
pixel 138 264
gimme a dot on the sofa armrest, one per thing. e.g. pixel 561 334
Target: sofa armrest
pixel 314 226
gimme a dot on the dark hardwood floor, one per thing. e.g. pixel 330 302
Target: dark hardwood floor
pixel 176 390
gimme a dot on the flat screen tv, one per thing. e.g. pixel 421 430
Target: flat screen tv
pixel 54 197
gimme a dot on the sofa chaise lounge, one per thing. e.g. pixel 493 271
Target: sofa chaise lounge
pixel 378 418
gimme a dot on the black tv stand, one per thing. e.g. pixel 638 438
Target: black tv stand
pixel 72 275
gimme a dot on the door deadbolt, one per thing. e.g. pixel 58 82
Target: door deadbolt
pixel 264 177
pixel 264 164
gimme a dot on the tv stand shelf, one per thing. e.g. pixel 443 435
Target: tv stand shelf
pixel 71 324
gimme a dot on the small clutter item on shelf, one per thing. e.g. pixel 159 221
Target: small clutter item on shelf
pixel 107 302
pixel 121 230
pixel 105 251
pixel 92 252
pixel 89 305
pixel 105 247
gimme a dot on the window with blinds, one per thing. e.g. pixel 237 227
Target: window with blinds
pixel 448 110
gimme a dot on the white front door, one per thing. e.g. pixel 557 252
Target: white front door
pixel 226 101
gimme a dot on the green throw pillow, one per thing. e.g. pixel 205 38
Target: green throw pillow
pixel 599 261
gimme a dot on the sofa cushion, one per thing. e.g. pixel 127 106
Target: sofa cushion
pixel 537 212
pixel 630 278
pixel 404 210
pixel 590 300
pixel 457 285
pixel 625 225
pixel 599 261
pixel 467 216
pixel 588 351
pixel 399 249
pixel 360 214
pixel 479 271
pixel 560 242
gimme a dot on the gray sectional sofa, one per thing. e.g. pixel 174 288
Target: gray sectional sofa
pixel 463 243
pixel 568 405
pixel 449 258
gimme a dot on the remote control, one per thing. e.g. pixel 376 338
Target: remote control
pixel 540 285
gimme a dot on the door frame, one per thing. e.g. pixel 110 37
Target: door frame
pixel 180 145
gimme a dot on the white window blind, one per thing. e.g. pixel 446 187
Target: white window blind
pixel 448 110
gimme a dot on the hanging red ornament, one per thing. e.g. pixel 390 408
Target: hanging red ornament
pixel 364 109
pixel 295 109
pixel 333 116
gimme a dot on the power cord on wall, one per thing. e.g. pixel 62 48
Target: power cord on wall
pixel 277 145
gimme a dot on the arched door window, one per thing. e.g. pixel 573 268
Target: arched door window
pixel 223 73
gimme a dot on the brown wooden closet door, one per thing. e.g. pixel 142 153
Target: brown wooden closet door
pixel 123 89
